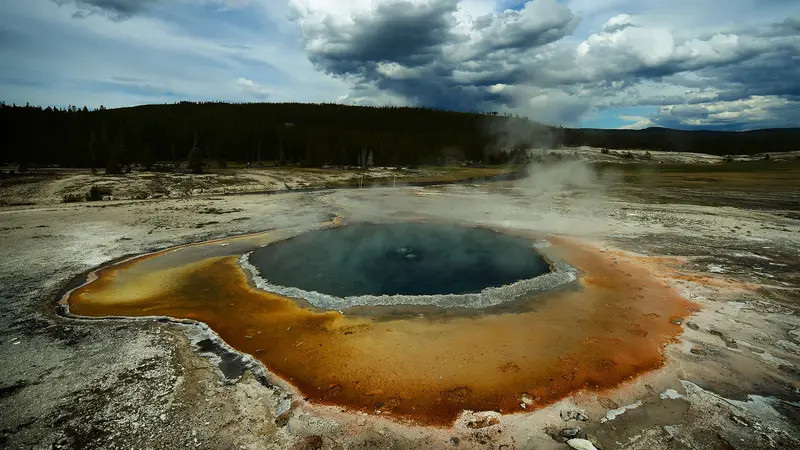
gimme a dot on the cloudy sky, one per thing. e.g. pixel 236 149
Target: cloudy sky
pixel 714 64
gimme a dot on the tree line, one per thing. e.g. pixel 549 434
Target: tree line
pixel 321 134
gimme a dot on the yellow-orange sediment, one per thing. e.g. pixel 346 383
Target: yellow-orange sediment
pixel 424 369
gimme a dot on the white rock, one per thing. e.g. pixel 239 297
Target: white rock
pixel 612 414
pixel 581 444
pixel 788 346
pixel 670 394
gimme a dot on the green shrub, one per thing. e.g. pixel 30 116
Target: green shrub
pixel 96 193
pixel 73 198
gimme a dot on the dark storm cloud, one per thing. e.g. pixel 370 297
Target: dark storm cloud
pixel 418 52
pixel 402 32
pixel 527 60
pixel 116 9
pixel 788 27
pixel 735 116
pixel 537 24
pixel 727 81
pixel 759 87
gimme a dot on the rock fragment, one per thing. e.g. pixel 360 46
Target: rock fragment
pixel 581 444
pixel 728 341
pixel 788 346
pixel 568 415
pixel 671 394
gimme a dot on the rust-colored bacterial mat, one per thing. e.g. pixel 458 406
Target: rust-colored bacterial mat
pixel 427 369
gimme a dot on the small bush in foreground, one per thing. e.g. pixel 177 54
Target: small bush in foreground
pixel 96 193
pixel 73 198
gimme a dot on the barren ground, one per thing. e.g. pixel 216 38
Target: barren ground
pixel 724 236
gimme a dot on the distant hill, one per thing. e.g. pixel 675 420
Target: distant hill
pixel 698 141
pixel 324 134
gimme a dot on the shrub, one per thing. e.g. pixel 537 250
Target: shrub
pixel 113 168
pixel 73 198
pixel 627 155
pixel 162 168
pixel 647 155
pixel 96 193
pixel 195 166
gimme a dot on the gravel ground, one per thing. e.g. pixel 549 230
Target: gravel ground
pixel 731 381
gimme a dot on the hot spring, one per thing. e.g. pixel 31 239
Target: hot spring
pixel 399 259
pixel 549 315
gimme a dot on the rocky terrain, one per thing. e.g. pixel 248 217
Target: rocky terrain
pixel 53 185
pixel 725 239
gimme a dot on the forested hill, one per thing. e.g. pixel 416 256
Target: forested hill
pixel 319 134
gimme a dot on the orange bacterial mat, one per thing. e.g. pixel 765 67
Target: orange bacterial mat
pixel 427 369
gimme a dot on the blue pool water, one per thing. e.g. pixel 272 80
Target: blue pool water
pixel 400 258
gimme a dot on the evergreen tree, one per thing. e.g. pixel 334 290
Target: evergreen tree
pixel 195 160
pixel 322 134
pixel 146 158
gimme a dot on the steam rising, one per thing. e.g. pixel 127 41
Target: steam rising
pixel 555 182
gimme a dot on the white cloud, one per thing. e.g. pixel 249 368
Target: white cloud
pixel 710 63
pixel 639 122
pixel 253 89
pixel 393 70
pixel 81 61
pixel 646 46
pixel 755 110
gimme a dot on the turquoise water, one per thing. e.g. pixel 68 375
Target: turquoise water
pixel 401 258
